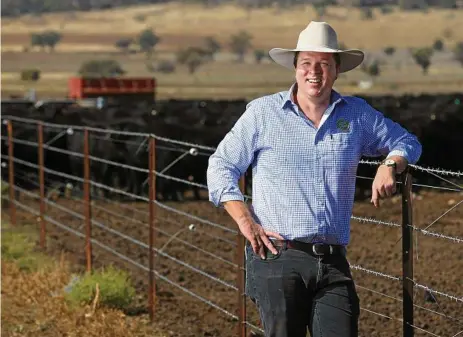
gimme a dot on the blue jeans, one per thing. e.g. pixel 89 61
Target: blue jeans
pixel 295 291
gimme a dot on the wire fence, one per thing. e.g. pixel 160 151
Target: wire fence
pixel 95 231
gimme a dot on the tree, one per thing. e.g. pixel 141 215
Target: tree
pixel 240 43
pixel 438 45
pixel 101 68
pixel 30 74
pixel 458 52
pixel 147 40
pixel 124 44
pixel 51 38
pixel 259 54
pixel 371 68
pixel 37 40
pixel 319 8
pixel 422 57
pixel 367 13
pixel 389 51
pixel 192 57
pixel 212 46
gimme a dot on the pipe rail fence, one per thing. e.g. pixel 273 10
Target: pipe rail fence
pixel 407 280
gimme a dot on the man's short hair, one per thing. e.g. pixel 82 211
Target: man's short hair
pixel 336 56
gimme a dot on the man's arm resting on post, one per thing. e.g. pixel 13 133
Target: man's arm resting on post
pixel 384 184
pixel 384 136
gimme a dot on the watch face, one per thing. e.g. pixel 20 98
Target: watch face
pixel 389 162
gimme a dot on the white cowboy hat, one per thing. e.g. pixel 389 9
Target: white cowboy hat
pixel 318 37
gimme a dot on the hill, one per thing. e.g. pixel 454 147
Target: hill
pixel 93 35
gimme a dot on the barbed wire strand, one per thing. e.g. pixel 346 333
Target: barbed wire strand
pixel 360 219
pixel 160 174
pixel 166 220
pixel 373 272
pixel 398 319
pixel 160 276
pixel 440 217
pixel 129 133
pixel 135 241
pixel 254 327
pixel 437 235
pixel 169 235
pixel 217 307
pixel 432 291
pixel 205 221
pixel 415 305
pixel 144 145
pixel 375 221
pixel 419 185
pixel 108 131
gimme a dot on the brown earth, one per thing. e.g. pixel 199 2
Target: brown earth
pixel 376 247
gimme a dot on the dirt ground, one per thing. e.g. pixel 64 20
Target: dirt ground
pixel 437 262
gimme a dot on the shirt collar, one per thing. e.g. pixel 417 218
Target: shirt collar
pixel 287 97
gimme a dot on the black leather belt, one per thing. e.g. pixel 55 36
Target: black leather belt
pixel 317 249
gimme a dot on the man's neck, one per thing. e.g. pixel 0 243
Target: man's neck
pixel 313 109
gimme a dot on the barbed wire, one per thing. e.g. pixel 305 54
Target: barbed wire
pixel 110 131
pixel 360 219
pixel 352 266
pixel 168 235
pixel 135 241
pixel 432 291
pixel 190 144
pixel 438 171
pixel 375 221
pixel 399 320
pixel 123 257
pixel 253 326
pixel 168 220
pixel 115 190
pixel 357 218
pixel 437 235
pixel 373 272
pixel 415 305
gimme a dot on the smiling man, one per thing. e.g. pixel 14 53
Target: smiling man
pixel 304 146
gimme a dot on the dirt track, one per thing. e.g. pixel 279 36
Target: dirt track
pixel 375 247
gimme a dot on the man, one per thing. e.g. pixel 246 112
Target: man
pixel 304 146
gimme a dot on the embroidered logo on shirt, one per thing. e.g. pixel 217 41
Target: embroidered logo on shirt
pixel 343 124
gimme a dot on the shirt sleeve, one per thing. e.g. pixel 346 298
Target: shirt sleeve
pixel 388 138
pixel 232 158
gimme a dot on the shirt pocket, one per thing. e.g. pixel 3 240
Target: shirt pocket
pixel 341 152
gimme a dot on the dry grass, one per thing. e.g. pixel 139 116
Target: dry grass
pixel 32 305
pixel 91 35
pixel 225 79
pixel 179 23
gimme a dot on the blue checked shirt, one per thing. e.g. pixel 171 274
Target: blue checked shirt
pixel 303 178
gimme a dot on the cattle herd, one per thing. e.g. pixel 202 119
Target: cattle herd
pixel 437 120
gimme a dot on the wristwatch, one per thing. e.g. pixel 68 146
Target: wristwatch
pixel 389 163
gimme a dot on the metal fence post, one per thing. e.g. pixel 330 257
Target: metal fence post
pixel 87 204
pixel 407 254
pixel 11 173
pixel 241 274
pixel 152 198
pixel 42 184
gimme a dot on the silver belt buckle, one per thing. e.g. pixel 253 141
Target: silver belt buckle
pixel 314 249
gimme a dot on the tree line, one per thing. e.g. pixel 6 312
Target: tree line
pixel 18 7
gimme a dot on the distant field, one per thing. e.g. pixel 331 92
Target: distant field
pixel 92 35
